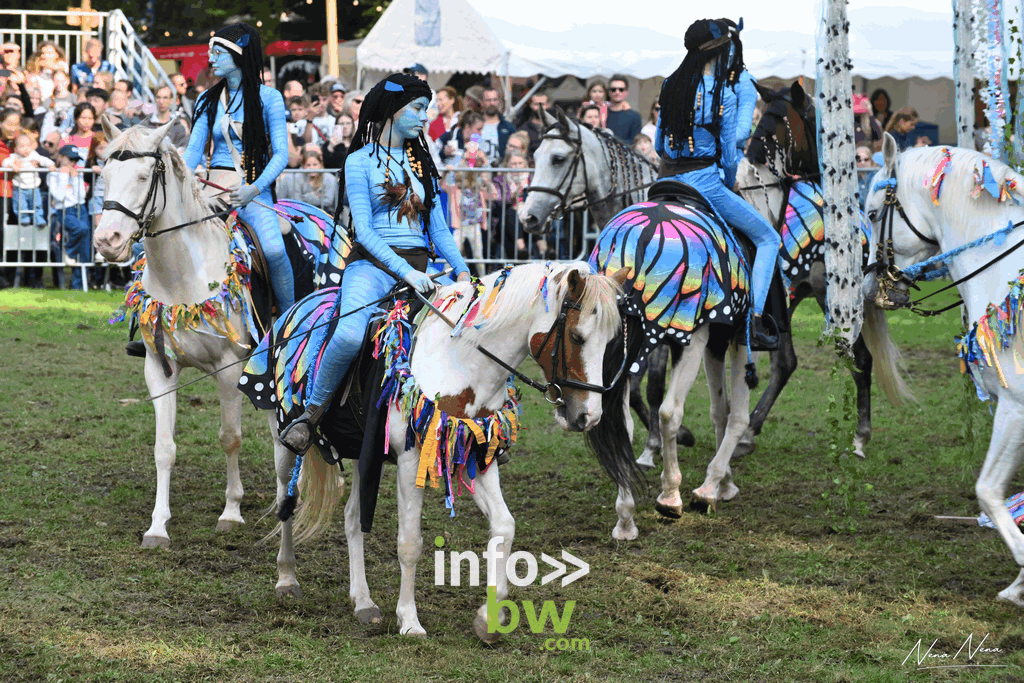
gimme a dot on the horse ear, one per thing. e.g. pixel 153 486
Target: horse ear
pixel 547 117
pixel 109 129
pixel 620 276
pixel 177 162
pixel 766 93
pixel 797 94
pixel 562 118
pixel 889 151
pixel 576 285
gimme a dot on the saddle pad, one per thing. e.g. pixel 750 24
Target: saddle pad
pixel 803 233
pixel 686 269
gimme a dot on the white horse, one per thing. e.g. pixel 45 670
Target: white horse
pixel 187 251
pixel 525 321
pixel 933 201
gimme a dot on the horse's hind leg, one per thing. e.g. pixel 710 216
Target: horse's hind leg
pixel 164 449
pixel 684 374
pixel 1003 460
pixel 231 442
pixel 487 495
pixel 861 372
pixel 284 462
pixel 718 484
pixel 410 541
pixel 783 366
pixel 625 507
pixel 366 610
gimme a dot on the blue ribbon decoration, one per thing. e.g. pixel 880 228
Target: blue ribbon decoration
pixel 393 87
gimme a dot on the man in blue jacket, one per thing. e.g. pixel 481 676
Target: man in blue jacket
pixel 497 129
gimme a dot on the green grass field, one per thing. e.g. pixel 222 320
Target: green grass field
pixel 825 568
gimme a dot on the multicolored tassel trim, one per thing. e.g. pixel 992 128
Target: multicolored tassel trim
pixel 997 330
pixel 451 447
pixel 940 175
pixel 212 314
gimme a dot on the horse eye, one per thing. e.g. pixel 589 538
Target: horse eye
pixel 557 160
pixel 577 338
pixel 872 215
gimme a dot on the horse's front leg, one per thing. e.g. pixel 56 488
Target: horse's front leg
pixel 164 449
pixel 684 374
pixel 625 507
pixel 861 372
pixel 487 495
pixel 657 364
pixel 366 610
pixel 284 462
pixel 231 442
pixel 410 541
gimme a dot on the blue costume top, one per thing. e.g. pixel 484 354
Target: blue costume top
pixel 746 95
pixel 377 226
pixel 273 119
pixel 705 142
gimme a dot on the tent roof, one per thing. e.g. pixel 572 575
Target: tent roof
pixel 467 43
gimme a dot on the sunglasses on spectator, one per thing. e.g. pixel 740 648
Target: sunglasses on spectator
pixel 618 89
pixel 860 158
pixel 12 51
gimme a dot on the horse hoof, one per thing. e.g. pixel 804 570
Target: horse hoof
pixel 289 591
pixel 227 525
pixel 369 615
pixel 629 533
pixel 685 438
pixel 703 503
pixel 480 628
pixel 731 491
pixel 156 542
pixel 644 467
pixel 669 511
pixel 744 448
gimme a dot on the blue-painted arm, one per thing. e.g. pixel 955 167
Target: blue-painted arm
pixel 442 238
pixel 277 128
pixel 197 140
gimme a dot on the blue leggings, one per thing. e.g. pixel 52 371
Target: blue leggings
pixel 363 283
pixel 743 217
pixel 268 229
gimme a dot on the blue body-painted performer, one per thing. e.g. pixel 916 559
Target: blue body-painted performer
pixel 392 188
pixel 697 134
pixel 743 85
pixel 257 151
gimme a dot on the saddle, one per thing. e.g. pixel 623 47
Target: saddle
pixel 667 190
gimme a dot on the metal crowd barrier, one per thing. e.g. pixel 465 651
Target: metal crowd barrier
pixel 492 238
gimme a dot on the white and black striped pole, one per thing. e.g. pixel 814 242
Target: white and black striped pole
pixel 834 86
pixel 963 72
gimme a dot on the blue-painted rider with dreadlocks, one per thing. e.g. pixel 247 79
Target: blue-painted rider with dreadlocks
pixel 743 85
pixel 697 134
pixel 246 121
pixel 392 188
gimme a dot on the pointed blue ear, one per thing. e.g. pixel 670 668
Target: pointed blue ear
pixel 393 87
pixel 739 25
pixel 243 41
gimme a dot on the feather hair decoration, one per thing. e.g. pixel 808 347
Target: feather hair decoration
pixel 397 197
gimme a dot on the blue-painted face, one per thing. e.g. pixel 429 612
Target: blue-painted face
pixel 410 119
pixel 222 61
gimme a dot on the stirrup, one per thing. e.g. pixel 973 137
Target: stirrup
pixel 311 418
pixel 760 338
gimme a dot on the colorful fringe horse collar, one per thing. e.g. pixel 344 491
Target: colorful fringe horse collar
pixel 158 321
pixel 451 447
pixel 996 330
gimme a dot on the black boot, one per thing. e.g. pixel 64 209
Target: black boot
pixel 761 339
pixel 298 436
pixel 136 349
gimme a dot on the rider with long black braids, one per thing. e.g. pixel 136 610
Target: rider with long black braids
pixel 392 188
pixel 246 121
pixel 697 135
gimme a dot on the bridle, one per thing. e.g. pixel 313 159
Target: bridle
pixel 890 277
pixel 157 185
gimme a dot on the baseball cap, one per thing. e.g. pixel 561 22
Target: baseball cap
pixel 69 151
pixel 417 68
pixel 338 87
pixel 5 73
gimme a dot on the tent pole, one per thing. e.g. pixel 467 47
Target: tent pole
pixel 527 96
pixel 332 37
pixel 507 82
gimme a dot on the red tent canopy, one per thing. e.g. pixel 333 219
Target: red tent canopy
pixel 194 58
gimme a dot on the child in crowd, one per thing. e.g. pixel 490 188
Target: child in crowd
pixel 469 195
pixel 28 201
pixel 506 241
pixel 97 150
pixel 68 212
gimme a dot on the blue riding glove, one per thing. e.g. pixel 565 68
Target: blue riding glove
pixel 243 195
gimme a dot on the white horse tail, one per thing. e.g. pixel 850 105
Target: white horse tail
pixel 886 357
pixel 321 487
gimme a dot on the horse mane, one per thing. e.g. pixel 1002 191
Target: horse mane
pixel 195 204
pixel 916 169
pixel 523 286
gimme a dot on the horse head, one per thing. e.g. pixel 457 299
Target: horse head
pixel 570 343
pixel 787 132
pixel 136 190
pixel 556 179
